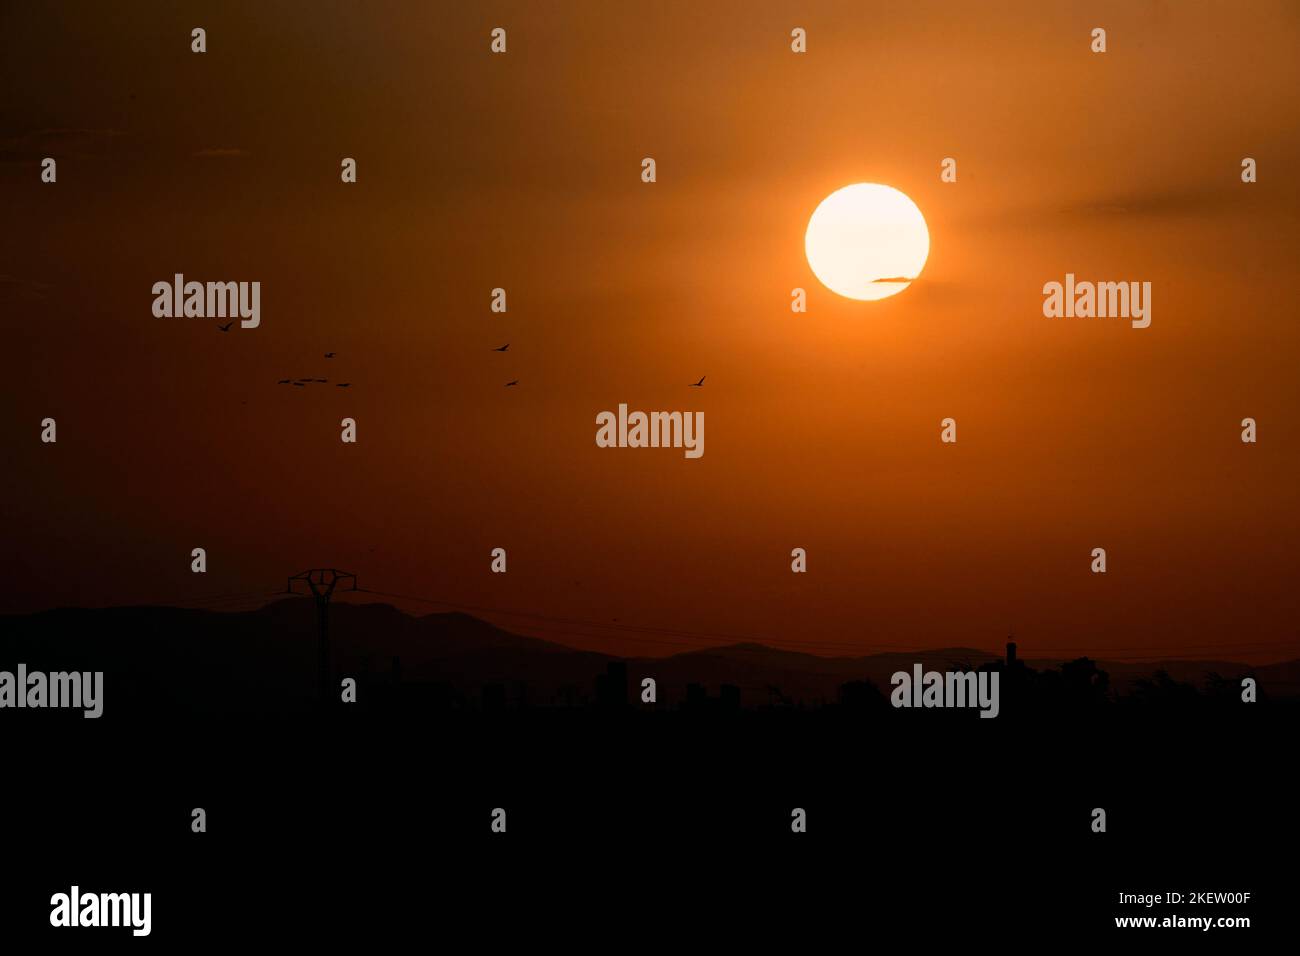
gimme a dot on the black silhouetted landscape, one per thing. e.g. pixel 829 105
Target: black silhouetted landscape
pixel 265 662
pixel 689 798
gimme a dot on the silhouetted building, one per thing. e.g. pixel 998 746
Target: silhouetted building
pixel 1011 654
pixel 696 699
pixel 699 702
pixel 611 686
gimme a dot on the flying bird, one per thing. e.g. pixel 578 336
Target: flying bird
pixel 515 382
pixel 226 327
pixel 329 354
pixel 503 348
pixel 342 384
pixel 700 383
pixel 299 385
pixel 283 381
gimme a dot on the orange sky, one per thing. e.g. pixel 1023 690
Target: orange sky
pixel 522 171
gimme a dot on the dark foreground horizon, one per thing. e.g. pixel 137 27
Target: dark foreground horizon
pixel 268 659
pixel 374 820
pixel 371 826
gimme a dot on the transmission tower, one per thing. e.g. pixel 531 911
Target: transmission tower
pixel 322 582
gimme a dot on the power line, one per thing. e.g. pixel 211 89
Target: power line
pixel 238 602
pixel 1251 646
pixel 577 622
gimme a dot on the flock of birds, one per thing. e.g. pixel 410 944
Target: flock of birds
pixel 304 382
pixel 296 382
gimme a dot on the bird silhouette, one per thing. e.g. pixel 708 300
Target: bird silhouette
pixel 342 384
pixel 226 327
pixel 283 381
pixel 515 382
pixel 321 380
pixel 503 348
pixel 700 383
pixel 299 385
pixel 329 354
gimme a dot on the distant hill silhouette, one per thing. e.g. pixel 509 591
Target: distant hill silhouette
pixel 265 660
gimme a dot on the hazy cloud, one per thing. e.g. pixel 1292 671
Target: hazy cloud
pixel 1155 203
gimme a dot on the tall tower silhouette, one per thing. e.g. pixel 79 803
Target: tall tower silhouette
pixel 322 582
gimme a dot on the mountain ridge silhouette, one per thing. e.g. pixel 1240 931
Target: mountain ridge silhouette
pixel 269 655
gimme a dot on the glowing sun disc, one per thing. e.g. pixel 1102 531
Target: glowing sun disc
pixel 867 241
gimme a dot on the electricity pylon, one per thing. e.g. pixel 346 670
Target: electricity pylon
pixel 322 582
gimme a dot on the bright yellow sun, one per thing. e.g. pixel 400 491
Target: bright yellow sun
pixel 867 241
